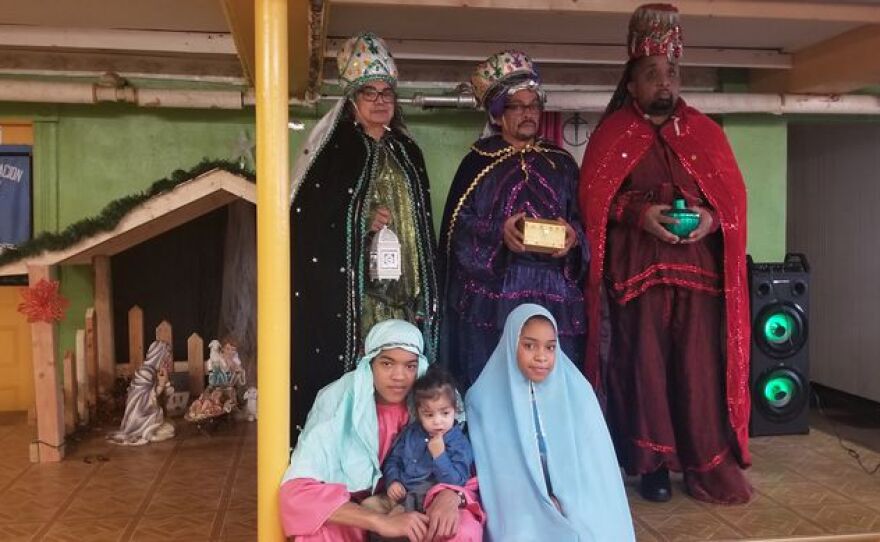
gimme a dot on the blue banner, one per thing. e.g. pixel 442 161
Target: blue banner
pixel 15 195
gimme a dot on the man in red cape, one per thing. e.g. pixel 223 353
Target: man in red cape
pixel 674 367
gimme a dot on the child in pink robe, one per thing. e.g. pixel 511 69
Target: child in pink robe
pixel 329 468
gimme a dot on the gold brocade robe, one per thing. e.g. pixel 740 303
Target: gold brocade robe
pixel 392 298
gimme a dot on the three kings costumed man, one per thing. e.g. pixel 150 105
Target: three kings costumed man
pixel 509 177
pixel 674 370
pixel 358 173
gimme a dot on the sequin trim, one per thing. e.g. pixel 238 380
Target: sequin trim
pixel 712 463
pixel 653 446
pixel 654 268
pixel 500 155
pixel 667 281
pixel 473 288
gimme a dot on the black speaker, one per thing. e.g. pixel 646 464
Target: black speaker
pixel 780 365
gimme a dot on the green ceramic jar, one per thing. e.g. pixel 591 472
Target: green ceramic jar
pixel 687 220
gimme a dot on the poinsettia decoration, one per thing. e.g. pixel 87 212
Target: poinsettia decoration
pixel 43 303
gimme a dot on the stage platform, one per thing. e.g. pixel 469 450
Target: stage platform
pixel 199 487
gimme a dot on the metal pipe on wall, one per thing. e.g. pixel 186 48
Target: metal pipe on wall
pixel 735 103
pixel 558 100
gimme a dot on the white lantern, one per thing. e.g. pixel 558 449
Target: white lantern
pixel 385 255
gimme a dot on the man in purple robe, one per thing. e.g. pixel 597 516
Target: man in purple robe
pixel 508 176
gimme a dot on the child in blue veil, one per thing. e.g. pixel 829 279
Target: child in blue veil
pixel 545 461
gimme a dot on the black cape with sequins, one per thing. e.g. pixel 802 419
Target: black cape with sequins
pixel 328 226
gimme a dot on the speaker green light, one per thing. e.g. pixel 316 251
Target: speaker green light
pixel 778 328
pixel 779 390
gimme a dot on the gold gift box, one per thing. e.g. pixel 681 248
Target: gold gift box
pixel 540 235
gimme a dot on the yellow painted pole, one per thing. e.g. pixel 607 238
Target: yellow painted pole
pixel 273 261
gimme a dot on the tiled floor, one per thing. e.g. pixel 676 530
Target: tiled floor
pixel 806 486
pixel 198 487
pixel 193 487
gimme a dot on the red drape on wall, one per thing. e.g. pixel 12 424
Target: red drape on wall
pixel 551 127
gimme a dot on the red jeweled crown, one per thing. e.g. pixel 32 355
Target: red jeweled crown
pixel 654 30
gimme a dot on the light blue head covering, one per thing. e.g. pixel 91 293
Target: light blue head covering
pixel 340 442
pixel 581 462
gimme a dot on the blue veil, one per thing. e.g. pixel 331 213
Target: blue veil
pixel 581 461
pixel 340 441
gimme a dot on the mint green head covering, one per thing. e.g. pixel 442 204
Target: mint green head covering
pixel 340 441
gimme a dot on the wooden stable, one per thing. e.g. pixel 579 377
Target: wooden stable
pixel 80 384
pixel 97 364
pixel 194 365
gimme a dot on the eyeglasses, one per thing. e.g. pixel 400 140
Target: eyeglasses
pixel 519 109
pixel 372 94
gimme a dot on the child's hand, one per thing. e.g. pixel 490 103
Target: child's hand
pixel 436 445
pixel 396 492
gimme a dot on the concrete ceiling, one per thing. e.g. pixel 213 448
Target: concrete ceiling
pixel 786 44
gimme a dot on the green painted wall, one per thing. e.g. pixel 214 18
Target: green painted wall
pixel 760 143
pixel 445 137
pixel 86 156
pixel 106 152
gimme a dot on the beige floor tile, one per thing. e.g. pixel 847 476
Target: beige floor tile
pixel 195 499
pixel 186 479
pixel 243 496
pixel 211 443
pixel 19 532
pixel 26 511
pixel 108 529
pixel 190 527
pixel 829 471
pixel 238 523
pixel 92 503
pixel 210 462
pixel 644 534
pixel 12 467
pixel 122 481
pixel 843 518
pixel 183 481
pixel 769 522
pixel 17 506
pixel 862 488
pixel 688 526
pixel 796 494
pixel 771 473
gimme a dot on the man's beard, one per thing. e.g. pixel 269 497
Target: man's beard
pixel 661 106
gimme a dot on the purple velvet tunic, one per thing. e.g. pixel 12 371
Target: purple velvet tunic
pixel 484 280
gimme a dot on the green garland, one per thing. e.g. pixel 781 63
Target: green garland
pixel 113 212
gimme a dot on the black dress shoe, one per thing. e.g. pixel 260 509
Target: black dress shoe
pixel 655 486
